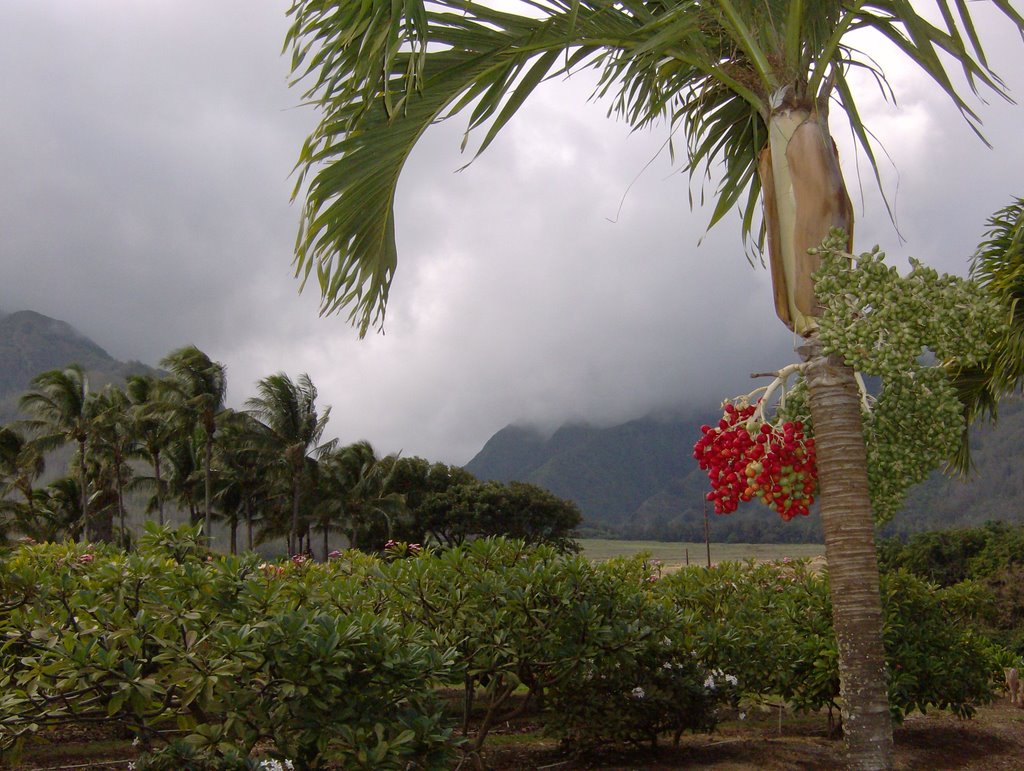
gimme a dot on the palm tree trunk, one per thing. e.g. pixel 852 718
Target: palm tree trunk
pixel 86 524
pixel 120 499
pixel 805 197
pixel 159 488
pixel 848 526
pixel 208 519
pixel 295 514
pixel 248 522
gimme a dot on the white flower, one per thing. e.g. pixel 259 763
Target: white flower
pixel 639 693
pixel 743 716
pixel 709 683
pixel 667 665
pixel 731 680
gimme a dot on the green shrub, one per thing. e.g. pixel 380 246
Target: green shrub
pixel 343 661
pixel 770 626
pixel 225 647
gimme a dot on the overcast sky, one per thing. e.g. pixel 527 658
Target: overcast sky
pixel 146 149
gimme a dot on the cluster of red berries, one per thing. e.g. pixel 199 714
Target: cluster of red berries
pixel 775 464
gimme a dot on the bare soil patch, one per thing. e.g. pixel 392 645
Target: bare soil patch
pixel 992 741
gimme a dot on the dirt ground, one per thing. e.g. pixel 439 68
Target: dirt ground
pixel 992 741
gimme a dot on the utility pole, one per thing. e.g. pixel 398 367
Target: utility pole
pixel 707 532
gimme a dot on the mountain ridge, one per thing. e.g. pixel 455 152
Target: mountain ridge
pixel 639 479
pixel 31 343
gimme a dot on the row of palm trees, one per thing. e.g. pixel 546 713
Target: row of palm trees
pixel 173 440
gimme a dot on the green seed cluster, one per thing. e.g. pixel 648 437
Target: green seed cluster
pixel 886 324
pixel 882 322
pixel 913 427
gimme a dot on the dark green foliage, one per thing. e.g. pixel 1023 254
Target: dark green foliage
pixel 635 675
pixel 770 626
pixel 483 509
pixel 935 655
pixel 949 556
pixel 218 646
pixel 991 556
pixel 181 756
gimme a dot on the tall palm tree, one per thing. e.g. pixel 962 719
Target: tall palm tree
pixel 184 479
pixel 748 82
pixel 243 484
pixel 57 401
pixel 152 427
pixel 294 428
pixel 114 443
pixel 202 385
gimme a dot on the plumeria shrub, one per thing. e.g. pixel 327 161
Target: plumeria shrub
pixel 635 674
pixel 770 626
pixel 234 651
pixel 580 638
pixel 342 662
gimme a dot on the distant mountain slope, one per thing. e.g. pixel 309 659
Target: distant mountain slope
pixel 609 472
pixel 31 343
pixel 639 478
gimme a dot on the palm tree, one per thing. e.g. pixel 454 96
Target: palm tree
pixel 357 495
pixel 294 429
pixel 184 479
pixel 242 480
pixel 152 427
pixel 748 82
pixel 115 443
pixel 60 503
pixel 202 386
pixel 21 464
pixel 58 401
pixel 998 265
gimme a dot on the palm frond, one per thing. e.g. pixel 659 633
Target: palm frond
pixel 383 71
pixel 998 265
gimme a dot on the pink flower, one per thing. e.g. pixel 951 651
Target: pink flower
pixel 334 555
pixel 415 548
pixel 391 544
pixel 85 559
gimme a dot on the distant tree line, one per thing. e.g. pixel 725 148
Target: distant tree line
pixel 264 472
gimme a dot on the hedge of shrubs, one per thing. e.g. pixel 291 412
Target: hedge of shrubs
pixel 355 661
pixel 990 558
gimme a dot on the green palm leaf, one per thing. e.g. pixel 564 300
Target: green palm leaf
pixel 383 71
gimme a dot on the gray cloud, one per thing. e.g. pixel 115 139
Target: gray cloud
pixel 146 152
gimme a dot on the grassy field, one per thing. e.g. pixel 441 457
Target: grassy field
pixel 673 555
